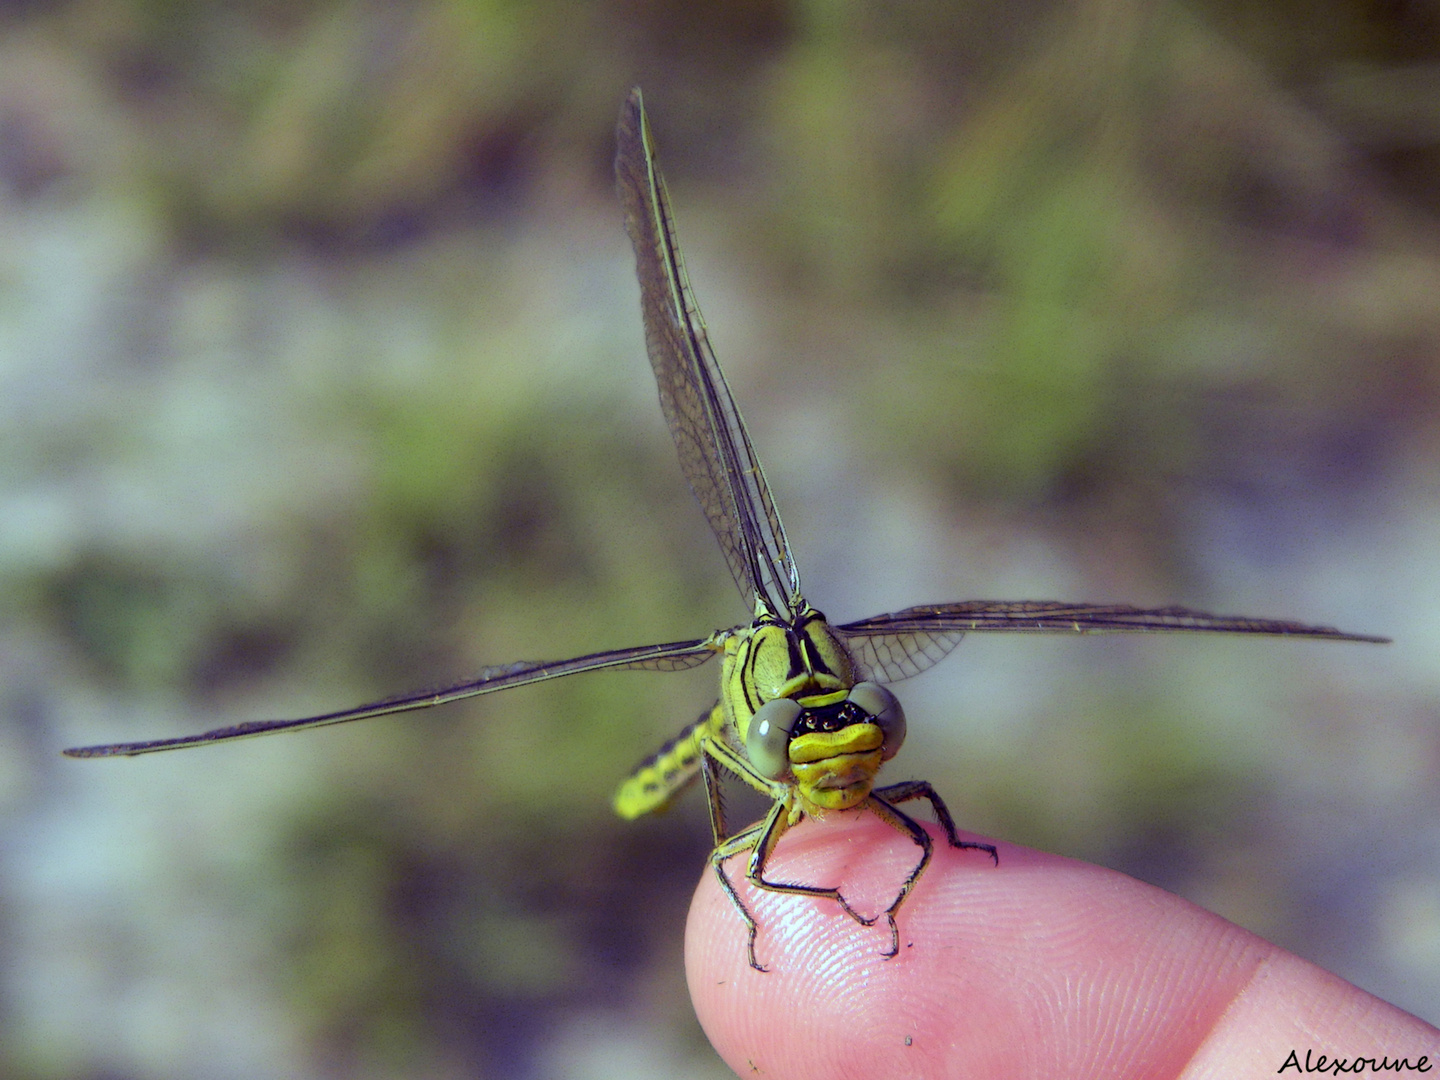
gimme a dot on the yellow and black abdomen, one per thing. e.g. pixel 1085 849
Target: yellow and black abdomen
pixel 668 771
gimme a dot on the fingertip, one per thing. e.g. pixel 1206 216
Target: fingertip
pixel 1038 966
pixel 829 997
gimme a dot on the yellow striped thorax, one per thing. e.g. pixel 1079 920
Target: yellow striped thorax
pixel 789 697
pixel 770 659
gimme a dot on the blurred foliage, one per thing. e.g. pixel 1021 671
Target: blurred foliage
pixel 310 393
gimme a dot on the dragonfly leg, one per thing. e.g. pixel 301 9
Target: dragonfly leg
pixel 899 820
pixel 775 825
pixel 726 846
pixel 715 797
pixel 881 804
pixel 921 789
pixel 741 841
pixel 759 839
pixel 724 757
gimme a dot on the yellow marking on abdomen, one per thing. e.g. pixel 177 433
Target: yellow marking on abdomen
pixel 659 778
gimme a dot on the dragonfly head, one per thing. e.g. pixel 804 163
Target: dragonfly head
pixel 830 745
pixel 791 693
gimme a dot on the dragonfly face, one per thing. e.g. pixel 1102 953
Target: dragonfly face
pixel 802 716
pixel 788 694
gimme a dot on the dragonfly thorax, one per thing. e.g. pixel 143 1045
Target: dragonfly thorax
pixel 773 658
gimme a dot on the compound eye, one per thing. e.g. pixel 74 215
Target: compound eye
pixel 768 741
pixel 885 712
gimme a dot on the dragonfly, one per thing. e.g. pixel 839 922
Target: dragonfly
pixel 804 713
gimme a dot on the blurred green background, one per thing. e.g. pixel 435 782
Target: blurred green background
pixel 322 378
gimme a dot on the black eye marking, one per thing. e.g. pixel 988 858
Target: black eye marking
pixel 828 718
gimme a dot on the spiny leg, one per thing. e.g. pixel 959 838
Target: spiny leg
pixel 715 798
pixel 881 804
pixel 760 839
pixel 726 846
pixel 741 841
pixel 899 820
pixel 921 789
pixel 773 828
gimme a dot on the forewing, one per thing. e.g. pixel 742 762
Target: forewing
pixel 902 643
pixel 671 657
pixel 889 656
pixel 714 448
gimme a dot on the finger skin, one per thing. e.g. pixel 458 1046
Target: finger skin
pixel 1040 967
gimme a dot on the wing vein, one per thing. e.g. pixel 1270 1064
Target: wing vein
pixel 673 656
pixel 710 437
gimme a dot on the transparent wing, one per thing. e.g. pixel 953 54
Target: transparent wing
pixel 714 448
pixel 903 643
pixel 889 656
pixel 672 657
